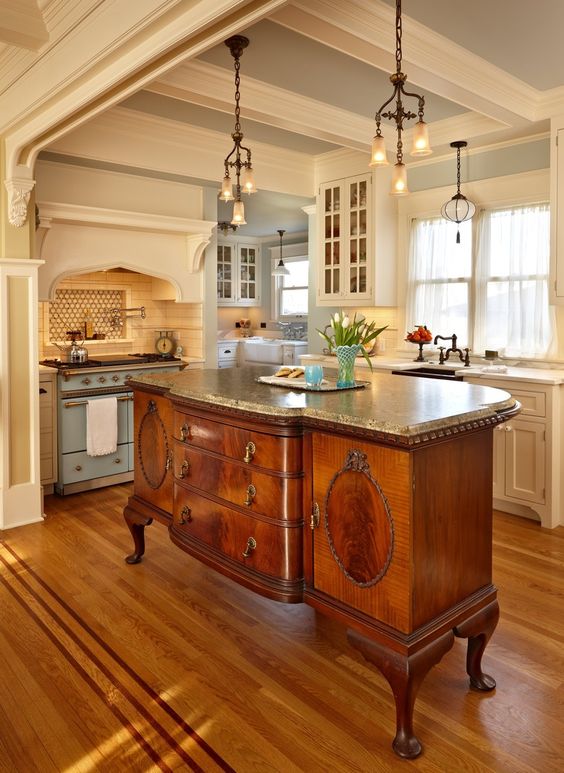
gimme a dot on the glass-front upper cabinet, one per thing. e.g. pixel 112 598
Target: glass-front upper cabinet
pixel 345 266
pixel 225 273
pixel 238 274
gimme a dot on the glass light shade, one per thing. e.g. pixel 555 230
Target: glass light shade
pixel 378 155
pixel 399 181
pixel 458 209
pixel 248 180
pixel 280 269
pixel 421 145
pixel 226 189
pixel 238 214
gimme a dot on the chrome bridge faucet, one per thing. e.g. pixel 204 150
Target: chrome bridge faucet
pixel 465 358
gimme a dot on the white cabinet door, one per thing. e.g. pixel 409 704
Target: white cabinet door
pixel 345 263
pixel 238 274
pixel 226 276
pixel 525 460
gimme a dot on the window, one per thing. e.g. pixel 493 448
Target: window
pixel 292 289
pixel 493 292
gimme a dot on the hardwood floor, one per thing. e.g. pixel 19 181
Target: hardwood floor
pixel 167 665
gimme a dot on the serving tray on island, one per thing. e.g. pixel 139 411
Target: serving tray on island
pixel 300 383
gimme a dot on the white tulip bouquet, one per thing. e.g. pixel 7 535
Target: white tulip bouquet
pixel 342 331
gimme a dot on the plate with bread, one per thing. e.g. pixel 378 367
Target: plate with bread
pixel 293 377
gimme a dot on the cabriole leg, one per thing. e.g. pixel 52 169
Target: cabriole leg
pixel 478 629
pixel 136 525
pixel 404 673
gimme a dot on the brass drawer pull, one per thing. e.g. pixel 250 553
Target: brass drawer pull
pixel 168 464
pixel 184 432
pixel 185 515
pixel 251 494
pixel 78 467
pixel 251 545
pixel 250 450
pixel 184 469
pixel 117 461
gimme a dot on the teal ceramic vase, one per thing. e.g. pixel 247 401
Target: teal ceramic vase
pixel 346 356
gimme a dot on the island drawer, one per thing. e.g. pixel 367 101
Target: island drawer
pixel 271 549
pixel 274 496
pixel 283 454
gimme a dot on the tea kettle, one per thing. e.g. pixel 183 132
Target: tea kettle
pixel 76 352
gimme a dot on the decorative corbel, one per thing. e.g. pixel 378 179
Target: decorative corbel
pixel 19 190
pixel 196 244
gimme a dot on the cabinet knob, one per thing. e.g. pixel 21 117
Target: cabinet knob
pixel 184 432
pixel 251 494
pixel 185 515
pixel 78 467
pixel 509 428
pixel 86 381
pixel 117 461
pixel 250 450
pixel 251 545
pixel 184 469
pixel 499 428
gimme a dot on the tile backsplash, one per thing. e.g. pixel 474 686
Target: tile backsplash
pixel 102 291
pixel 71 307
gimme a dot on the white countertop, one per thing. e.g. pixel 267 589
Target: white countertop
pixel 476 370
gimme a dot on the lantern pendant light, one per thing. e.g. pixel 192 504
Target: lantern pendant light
pixel 421 145
pixel 280 269
pixel 244 177
pixel 458 209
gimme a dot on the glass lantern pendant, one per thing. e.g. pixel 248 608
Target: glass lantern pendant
pixel 458 209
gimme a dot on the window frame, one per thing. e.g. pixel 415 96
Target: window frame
pixel 479 284
pixel 514 190
pixel 290 253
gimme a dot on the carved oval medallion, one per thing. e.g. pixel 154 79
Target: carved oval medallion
pixel 358 523
pixel 152 447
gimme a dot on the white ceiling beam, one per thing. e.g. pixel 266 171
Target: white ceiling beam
pixel 365 29
pixel 210 86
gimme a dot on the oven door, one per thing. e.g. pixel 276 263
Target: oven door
pixel 72 425
pixel 77 470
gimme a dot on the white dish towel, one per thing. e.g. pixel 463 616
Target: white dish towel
pixel 101 426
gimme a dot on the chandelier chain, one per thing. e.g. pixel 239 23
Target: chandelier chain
pixel 237 96
pixel 398 36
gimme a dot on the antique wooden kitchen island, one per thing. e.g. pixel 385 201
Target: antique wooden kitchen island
pixel 373 505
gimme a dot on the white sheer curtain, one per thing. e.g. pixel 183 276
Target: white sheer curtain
pixel 512 263
pixel 439 276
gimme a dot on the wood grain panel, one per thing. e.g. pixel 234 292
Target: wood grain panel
pixel 283 454
pixel 274 496
pixel 389 600
pixel 452 523
pixel 152 441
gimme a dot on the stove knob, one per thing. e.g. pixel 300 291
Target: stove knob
pixel 115 378
pixel 102 379
pixel 85 380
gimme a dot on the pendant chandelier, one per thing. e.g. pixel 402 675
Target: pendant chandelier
pixel 244 178
pixel 459 208
pixel 420 135
pixel 280 269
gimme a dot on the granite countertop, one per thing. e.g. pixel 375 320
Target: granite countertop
pixel 404 408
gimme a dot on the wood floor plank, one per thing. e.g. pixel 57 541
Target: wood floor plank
pixel 210 676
